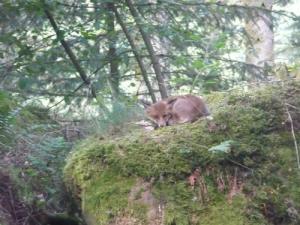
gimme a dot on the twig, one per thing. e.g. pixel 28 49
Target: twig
pixel 292 106
pixel 57 103
pixel 12 203
pixel 293 134
pixel 241 165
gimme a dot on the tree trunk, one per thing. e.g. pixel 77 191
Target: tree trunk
pixel 153 57
pixel 136 55
pixel 259 29
pixel 162 45
pixel 114 76
pixel 70 53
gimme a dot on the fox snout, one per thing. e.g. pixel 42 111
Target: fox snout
pixel 162 122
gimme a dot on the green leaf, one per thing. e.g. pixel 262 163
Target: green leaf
pixel 210 81
pixel 25 51
pixel 198 64
pixel 88 34
pixel 67 99
pixel 221 42
pixel 223 147
pixel 23 83
pixel 180 60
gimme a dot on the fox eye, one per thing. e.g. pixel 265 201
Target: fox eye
pixel 166 115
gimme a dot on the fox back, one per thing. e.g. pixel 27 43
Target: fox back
pixel 177 109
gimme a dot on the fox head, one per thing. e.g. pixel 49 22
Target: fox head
pixel 159 113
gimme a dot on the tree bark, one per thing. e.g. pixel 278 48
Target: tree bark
pixel 162 45
pixel 114 76
pixel 70 53
pixel 259 29
pixel 136 55
pixel 155 62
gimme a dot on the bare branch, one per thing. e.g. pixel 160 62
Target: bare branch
pixel 69 52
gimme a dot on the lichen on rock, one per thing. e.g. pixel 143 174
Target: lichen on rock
pixel 239 167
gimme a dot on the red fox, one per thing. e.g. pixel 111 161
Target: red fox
pixel 177 109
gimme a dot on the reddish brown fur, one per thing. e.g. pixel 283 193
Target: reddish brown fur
pixel 177 109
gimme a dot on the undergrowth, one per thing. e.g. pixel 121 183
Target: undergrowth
pixel 33 154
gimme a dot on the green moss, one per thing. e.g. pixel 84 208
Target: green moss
pixel 186 205
pixel 230 214
pixel 106 197
pixel 260 153
pixel 181 202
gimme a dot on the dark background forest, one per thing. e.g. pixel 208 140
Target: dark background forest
pixel 71 69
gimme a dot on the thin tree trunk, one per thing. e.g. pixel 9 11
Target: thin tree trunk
pixel 154 59
pixel 136 55
pixel 259 29
pixel 114 76
pixel 70 53
pixel 161 45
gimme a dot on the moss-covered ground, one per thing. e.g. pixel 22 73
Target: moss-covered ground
pixel 239 168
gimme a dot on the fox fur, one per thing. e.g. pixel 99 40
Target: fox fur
pixel 176 110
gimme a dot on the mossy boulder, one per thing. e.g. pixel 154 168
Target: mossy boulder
pixel 239 168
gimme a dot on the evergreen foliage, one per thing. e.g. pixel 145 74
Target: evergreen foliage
pixel 193 42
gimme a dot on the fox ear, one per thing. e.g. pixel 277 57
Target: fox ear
pixel 170 101
pixel 145 103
